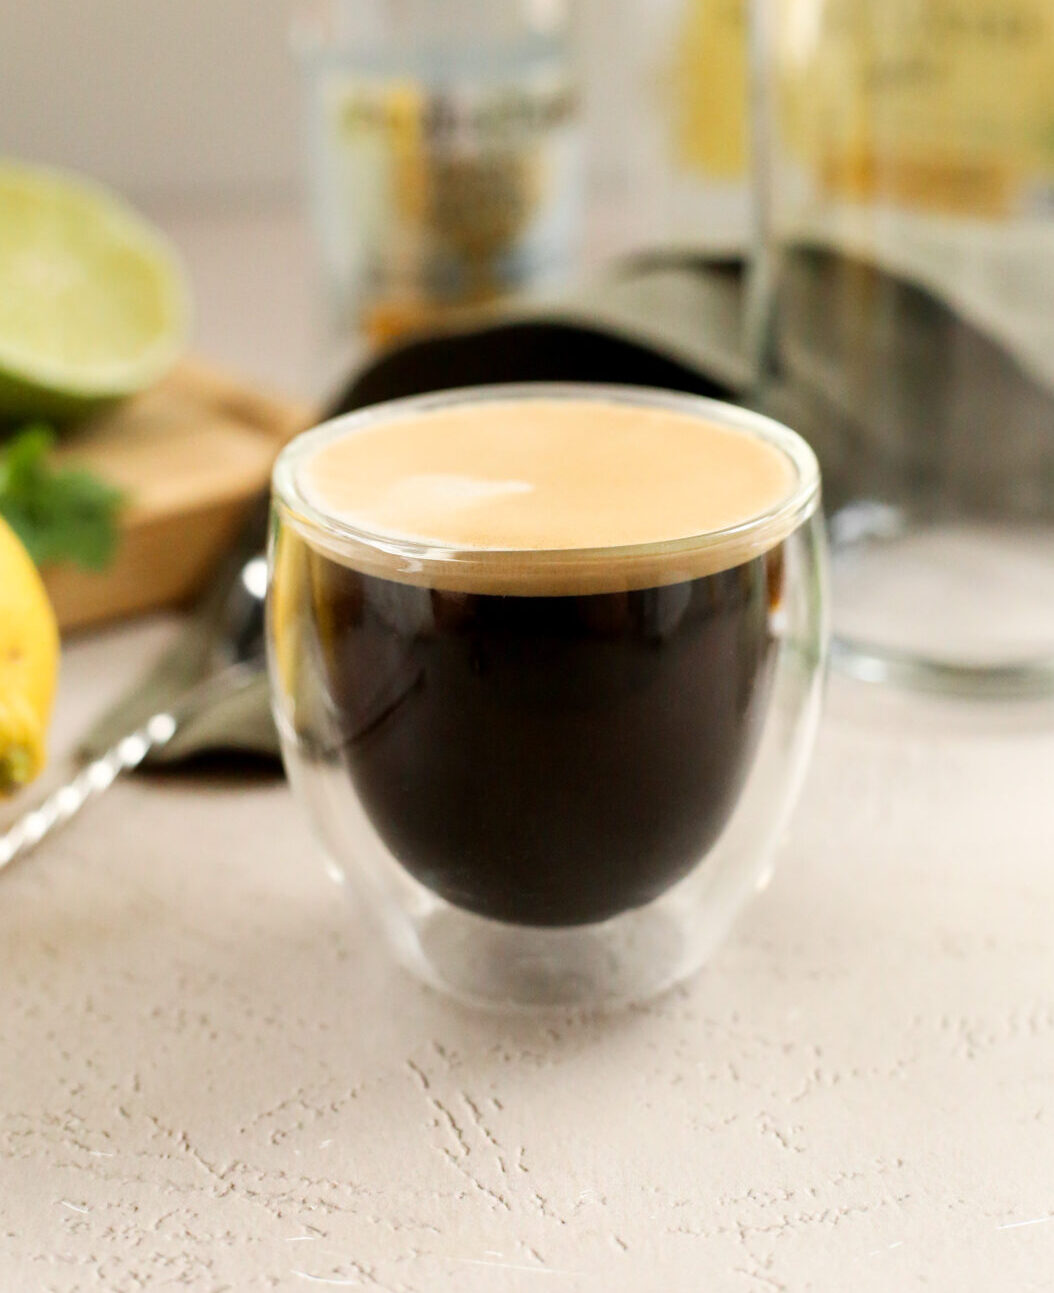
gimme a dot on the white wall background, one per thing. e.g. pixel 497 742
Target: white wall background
pixel 195 98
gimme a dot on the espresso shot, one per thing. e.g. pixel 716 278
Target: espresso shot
pixel 527 650
pixel 546 760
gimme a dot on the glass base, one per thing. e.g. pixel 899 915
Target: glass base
pixel 486 963
pixel 501 966
pixel 960 607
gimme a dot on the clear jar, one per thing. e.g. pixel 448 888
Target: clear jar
pixel 444 158
pixel 553 776
pixel 909 178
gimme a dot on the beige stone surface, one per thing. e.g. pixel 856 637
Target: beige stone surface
pixel 214 1079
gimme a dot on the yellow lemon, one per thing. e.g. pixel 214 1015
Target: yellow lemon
pixel 29 657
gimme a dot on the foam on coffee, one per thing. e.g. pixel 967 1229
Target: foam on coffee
pixel 530 489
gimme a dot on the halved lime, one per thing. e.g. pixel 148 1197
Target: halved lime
pixel 93 302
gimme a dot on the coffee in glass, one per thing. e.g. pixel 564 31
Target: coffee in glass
pixel 532 648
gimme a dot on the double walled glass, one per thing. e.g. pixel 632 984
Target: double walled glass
pixel 907 167
pixel 554 776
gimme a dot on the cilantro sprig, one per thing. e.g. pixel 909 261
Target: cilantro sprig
pixel 59 513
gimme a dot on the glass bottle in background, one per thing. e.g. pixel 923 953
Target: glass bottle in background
pixel 707 136
pixel 666 108
pixel 909 182
pixel 444 158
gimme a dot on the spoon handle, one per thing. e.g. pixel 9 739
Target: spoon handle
pixel 60 805
pixel 125 754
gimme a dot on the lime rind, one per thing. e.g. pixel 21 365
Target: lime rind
pixel 93 299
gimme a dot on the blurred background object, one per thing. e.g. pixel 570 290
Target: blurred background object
pixel 910 178
pixel 95 306
pixel 196 114
pixel 668 127
pixel 193 113
pixel 445 158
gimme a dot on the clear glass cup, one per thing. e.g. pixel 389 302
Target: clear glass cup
pixel 554 776
pixel 907 173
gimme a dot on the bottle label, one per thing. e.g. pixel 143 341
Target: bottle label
pixel 708 81
pixel 942 106
pixel 447 197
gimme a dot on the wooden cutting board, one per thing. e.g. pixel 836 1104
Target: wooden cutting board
pixel 191 454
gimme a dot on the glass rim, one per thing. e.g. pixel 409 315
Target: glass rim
pixel 340 536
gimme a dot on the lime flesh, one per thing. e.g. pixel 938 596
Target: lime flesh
pixel 93 304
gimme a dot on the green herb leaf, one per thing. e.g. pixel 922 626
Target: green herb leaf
pixel 59 513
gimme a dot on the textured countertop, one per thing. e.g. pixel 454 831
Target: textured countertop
pixel 214 1079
